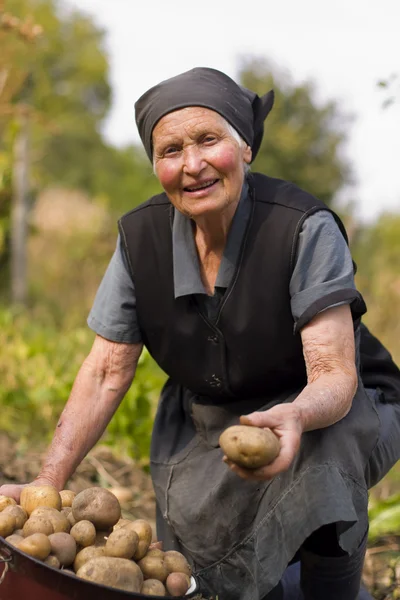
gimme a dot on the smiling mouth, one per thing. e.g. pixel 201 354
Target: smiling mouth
pixel 200 186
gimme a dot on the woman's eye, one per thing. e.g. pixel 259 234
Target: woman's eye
pixel 171 150
pixel 209 139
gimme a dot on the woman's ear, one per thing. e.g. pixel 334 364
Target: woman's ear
pixel 247 154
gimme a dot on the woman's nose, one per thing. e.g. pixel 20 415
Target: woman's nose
pixel 193 161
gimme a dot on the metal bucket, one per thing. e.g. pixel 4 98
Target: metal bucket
pixel 22 576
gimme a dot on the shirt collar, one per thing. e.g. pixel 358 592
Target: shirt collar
pixel 187 278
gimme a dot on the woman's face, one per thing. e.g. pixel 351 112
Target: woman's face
pixel 198 162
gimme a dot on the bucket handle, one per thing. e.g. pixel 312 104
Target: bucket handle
pixel 5 560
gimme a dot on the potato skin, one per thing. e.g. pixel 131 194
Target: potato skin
pixel 71 519
pixel 63 546
pixel 36 545
pixel 177 584
pixel 18 512
pixel 153 587
pixel 176 563
pixel 97 505
pixel 37 524
pixel 249 447
pixel 14 539
pixel 145 533
pixel 87 554
pixel 153 567
pixel 7 524
pixel 122 523
pixel 121 543
pixel 57 518
pixel 84 533
pixel 33 496
pixel 156 552
pixel 6 501
pixel 67 497
pixel 52 561
pixel 120 573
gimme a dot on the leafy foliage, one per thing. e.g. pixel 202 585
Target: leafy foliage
pixel 384 517
pixel 303 141
pixel 38 364
pixel 377 252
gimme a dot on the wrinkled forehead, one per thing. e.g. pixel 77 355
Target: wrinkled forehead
pixel 188 121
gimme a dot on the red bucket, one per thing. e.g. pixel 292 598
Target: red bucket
pixel 22 576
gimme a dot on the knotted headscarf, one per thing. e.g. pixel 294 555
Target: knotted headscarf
pixel 208 88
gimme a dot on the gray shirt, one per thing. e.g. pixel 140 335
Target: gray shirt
pixel 323 265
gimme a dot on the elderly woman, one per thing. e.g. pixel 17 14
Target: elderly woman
pixel 242 288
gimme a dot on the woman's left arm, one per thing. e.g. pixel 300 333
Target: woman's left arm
pixel 329 353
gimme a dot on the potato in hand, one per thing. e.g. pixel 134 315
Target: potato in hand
pixel 249 447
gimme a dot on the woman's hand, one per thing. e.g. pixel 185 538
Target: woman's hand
pixel 284 420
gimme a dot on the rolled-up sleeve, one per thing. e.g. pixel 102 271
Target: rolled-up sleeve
pixel 113 314
pixel 323 275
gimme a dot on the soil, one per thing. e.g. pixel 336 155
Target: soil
pixel 101 467
pixel 134 489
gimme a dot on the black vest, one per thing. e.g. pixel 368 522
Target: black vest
pixel 252 350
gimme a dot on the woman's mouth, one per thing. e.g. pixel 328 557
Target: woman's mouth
pixel 200 189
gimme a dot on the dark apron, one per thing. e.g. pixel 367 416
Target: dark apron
pixel 241 535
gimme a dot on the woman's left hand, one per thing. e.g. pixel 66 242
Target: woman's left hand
pixel 284 420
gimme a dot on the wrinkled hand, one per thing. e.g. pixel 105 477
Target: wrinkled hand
pixel 12 490
pixel 284 420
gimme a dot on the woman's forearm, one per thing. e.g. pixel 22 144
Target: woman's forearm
pixel 326 400
pixel 95 396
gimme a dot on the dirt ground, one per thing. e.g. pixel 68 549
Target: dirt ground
pixel 101 467
pixel 134 490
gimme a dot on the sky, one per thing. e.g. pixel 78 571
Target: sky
pixel 344 46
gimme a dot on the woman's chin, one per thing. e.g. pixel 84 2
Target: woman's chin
pixel 205 206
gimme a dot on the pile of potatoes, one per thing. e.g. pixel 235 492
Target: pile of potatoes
pixel 85 534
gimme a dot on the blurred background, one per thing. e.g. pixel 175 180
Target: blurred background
pixel 71 164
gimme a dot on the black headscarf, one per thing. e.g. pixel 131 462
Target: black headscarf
pixel 209 88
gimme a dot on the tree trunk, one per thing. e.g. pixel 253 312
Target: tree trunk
pixel 19 212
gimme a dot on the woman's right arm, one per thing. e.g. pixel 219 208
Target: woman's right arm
pixel 101 383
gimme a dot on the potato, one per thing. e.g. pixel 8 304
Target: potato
pixel 19 514
pixel 123 494
pixel 6 501
pixel 153 567
pixel 84 533
pixel 58 519
pixel 63 546
pixel 177 584
pixel 37 524
pixel 33 496
pixel 176 563
pixel 119 573
pixel 122 523
pixel 145 533
pixel 14 539
pixel 87 554
pixel 153 587
pixel 71 519
pixel 36 545
pixel 52 561
pixel 67 497
pixel 156 552
pixel 18 532
pixel 7 525
pixel 249 447
pixel 97 505
pixel 122 543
